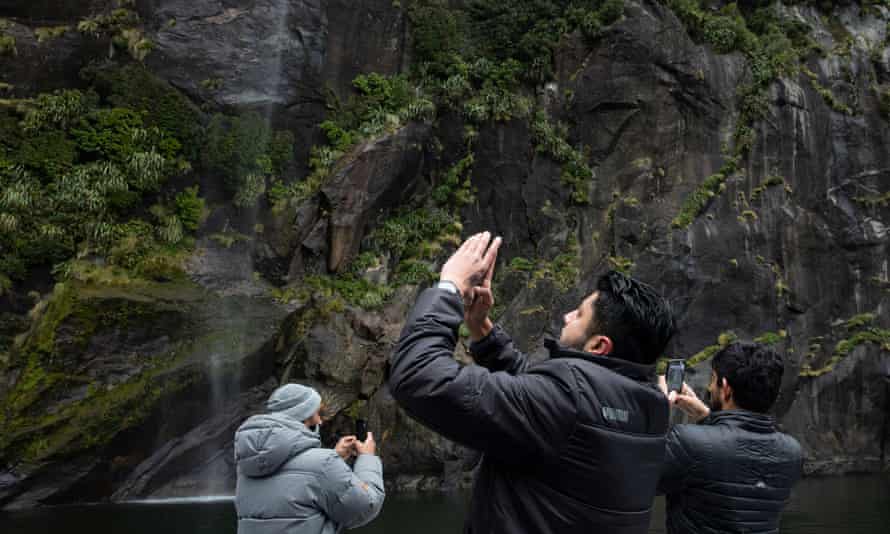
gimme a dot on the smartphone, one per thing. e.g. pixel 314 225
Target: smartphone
pixel 361 430
pixel 676 371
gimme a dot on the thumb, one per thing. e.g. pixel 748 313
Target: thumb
pixel 672 397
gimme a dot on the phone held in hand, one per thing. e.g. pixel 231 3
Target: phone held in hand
pixel 676 371
pixel 361 430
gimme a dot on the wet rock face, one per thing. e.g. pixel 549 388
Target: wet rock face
pixel 254 54
pixel 794 244
pixel 378 177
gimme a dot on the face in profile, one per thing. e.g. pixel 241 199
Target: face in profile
pixel 578 324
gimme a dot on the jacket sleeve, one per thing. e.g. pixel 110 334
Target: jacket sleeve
pixel 677 466
pixel 510 417
pixel 496 352
pixel 352 497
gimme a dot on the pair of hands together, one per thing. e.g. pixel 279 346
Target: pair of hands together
pixel 686 400
pixel 471 269
pixel 349 446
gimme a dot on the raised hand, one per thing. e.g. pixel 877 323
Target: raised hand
pixel 368 447
pixel 470 264
pixel 346 447
pixel 686 400
pixel 476 315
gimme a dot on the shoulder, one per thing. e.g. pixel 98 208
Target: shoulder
pixel 317 460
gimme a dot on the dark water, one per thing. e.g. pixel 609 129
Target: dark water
pixel 849 505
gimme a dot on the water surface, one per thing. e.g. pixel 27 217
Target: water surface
pixel 847 505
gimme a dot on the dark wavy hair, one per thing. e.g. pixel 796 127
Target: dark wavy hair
pixel 753 371
pixel 637 319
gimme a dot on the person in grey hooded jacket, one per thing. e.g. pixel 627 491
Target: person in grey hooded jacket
pixel 288 484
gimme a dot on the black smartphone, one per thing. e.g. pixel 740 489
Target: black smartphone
pixel 675 373
pixel 361 430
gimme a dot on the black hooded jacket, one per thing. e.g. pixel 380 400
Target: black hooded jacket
pixel 732 472
pixel 572 444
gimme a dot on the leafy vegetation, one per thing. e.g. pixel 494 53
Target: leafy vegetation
pixel 860 331
pixel 723 340
pixel 773 46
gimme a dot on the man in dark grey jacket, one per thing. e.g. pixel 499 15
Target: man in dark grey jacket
pixel 573 444
pixel 288 484
pixel 733 471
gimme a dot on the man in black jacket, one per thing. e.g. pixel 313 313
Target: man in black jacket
pixel 732 472
pixel 573 444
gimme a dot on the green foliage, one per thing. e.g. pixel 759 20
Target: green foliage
pixel 860 331
pixel 551 140
pixel 698 200
pixel 563 270
pixel 190 208
pixel 708 352
pixel 772 45
pixel 529 30
pixel 859 321
pixel 45 34
pixel 456 188
pixel 245 152
pixel 72 172
pixel 873 201
pixel 771 338
pixel 621 264
pixel 770 181
pixel 7 45
pixel 161 106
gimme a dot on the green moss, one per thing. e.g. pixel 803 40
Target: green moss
pixel 708 352
pixel 770 181
pixel 771 338
pixel 551 140
pixel 7 45
pixel 826 94
pixel 874 201
pixel 860 332
pixel 859 321
pixel 562 271
pixel 772 46
pixel 698 200
pixel 45 34
pixel 621 264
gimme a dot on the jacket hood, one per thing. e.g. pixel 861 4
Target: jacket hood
pixel 265 442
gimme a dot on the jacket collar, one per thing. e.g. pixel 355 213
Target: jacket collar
pixel 744 419
pixel 634 371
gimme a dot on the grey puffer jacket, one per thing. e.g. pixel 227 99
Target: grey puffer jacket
pixel 731 473
pixel 288 484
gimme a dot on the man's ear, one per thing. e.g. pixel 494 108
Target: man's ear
pixel 726 389
pixel 598 344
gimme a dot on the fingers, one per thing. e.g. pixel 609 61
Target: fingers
pixel 484 296
pixel 688 391
pixel 662 384
pixel 672 397
pixel 370 438
pixel 478 243
pixel 491 258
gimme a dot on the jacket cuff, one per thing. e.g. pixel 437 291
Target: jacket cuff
pixel 489 345
pixel 368 462
pixel 441 305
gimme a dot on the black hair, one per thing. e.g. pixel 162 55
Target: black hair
pixel 637 319
pixel 753 371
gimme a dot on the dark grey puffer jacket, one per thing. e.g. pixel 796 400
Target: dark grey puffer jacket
pixel 571 445
pixel 732 472
pixel 288 484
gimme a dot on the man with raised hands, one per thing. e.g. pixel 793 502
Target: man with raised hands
pixel 572 444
